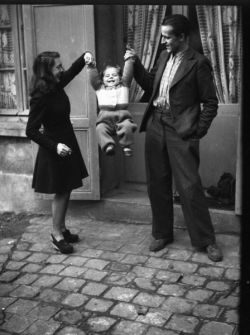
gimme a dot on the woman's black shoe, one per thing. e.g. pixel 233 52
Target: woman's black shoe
pixel 69 237
pixel 62 246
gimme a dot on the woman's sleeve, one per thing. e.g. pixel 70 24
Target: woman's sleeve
pixel 35 120
pixel 74 69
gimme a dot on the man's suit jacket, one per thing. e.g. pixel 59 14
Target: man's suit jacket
pixel 192 86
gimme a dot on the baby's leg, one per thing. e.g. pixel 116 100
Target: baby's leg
pixel 125 130
pixel 104 132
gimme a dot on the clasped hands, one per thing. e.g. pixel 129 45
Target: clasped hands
pixel 89 59
pixel 130 53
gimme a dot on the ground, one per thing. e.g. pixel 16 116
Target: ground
pixel 13 225
pixel 112 284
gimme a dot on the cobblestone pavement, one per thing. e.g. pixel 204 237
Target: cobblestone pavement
pixel 113 285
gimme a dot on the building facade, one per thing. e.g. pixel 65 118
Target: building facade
pixel 26 30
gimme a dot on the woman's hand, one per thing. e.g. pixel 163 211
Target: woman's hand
pixel 89 59
pixel 63 150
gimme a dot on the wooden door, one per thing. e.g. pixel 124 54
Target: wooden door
pixel 70 31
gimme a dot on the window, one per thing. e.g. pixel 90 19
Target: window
pixel 13 76
pixel 215 32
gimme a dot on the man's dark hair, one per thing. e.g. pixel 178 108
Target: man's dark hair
pixel 180 24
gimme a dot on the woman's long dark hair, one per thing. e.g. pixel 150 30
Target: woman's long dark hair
pixel 43 79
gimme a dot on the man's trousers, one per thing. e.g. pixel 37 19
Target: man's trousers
pixel 167 155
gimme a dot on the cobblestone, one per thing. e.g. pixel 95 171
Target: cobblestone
pixel 26 279
pixel 8 276
pixel 50 295
pixel 179 305
pixel 217 286
pixel 22 306
pixel 94 289
pixel 147 284
pixel 211 271
pixel 31 268
pixel 113 285
pixel 171 289
pixel 98 305
pixel 121 294
pixel 149 300
pixel 217 328
pixel 100 324
pixel 154 317
pixel 206 311
pixel 199 294
pixel 96 264
pixel 6 288
pixel 72 260
pixel 75 300
pixel 95 275
pixel 37 257
pixel 43 311
pixel 53 269
pixel 69 316
pixel 73 271
pixel 144 272
pixel 128 328
pixel 25 292
pixel 183 323
pixel 71 331
pixel 17 324
pixel 13 265
pixel 125 310
pixel 232 316
pixel 70 284
pixel 20 255
pixel 46 281
pixel 41 327
pixel 122 279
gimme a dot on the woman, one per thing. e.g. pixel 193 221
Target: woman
pixel 59 166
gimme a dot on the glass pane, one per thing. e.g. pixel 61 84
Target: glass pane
pixel 7 69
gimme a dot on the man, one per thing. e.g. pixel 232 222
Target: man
pixel 174 122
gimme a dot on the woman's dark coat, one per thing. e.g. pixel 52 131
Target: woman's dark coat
pixel 53 173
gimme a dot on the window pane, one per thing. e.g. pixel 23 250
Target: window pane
pixel 7 69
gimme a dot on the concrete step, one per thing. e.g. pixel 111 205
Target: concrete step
pixel 132 206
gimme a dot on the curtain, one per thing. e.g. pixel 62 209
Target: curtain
pixel 143 34
pixel 7 70
pixel 220 30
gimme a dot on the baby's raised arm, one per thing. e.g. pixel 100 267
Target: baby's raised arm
pixel 94 76
pixel 128 72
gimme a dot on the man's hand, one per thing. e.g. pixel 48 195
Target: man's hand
pixel 63 150
pixel 130 53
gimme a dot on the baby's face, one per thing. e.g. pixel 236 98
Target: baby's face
pixel 111 77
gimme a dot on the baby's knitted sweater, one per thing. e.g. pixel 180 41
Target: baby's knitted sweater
pixel 112 98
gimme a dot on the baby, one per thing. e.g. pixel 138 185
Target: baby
pixel 112 91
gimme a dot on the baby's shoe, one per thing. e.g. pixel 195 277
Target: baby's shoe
pixel 127 151
pixel 110 150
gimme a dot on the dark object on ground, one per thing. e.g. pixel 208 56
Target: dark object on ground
pixel 225 189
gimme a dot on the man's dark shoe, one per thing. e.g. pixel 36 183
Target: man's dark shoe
pixel 214 253
pixel 62 246
pixel 159 244
pixel 69 237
